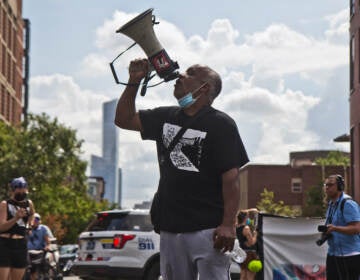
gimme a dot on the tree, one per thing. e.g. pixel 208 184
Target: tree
pixel 315 203
pixel 267 205
pixel 48 154
pixel 335 158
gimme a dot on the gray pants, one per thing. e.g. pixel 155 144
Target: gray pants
pixel 191 256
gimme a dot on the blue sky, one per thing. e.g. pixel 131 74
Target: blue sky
pixel 284 66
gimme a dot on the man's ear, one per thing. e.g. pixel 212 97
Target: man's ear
pixel 207 92
pixel 206 87
pixel 203 90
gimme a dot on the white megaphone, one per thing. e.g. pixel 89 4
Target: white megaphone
pixel 140 29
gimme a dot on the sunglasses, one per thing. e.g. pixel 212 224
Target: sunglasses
pixel 329 184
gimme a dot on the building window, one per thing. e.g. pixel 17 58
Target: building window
pixel 3 58
pixel 352 158
pixel 356 161
pixel 13 116
pixel 8 65
pixel 2 101
pixel 353 55
pixel 296 185
pixel 352 60
pixel 4 24
pixel 7 106
pixel 92 190
pixel 352 7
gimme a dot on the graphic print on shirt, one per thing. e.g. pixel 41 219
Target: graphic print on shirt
pixel 187 152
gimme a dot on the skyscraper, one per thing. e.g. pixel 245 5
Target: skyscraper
pixel 355 97
pixel 107 166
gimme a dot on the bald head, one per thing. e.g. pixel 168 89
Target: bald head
pixel 206 74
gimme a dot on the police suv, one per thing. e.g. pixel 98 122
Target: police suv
pixel 121 244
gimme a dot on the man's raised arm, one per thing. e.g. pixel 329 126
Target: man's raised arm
pixel 126 116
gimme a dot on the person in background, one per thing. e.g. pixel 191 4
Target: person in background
pixel 40 235
pixel 247 237
pixel 15 215
pixel 198 194
pixel 343 230
pixel 39 238
pixel 252 216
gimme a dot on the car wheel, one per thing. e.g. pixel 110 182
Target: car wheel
pixel 154 272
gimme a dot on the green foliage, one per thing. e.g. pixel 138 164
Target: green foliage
pixel 267 205
pixel 47 154
pixel 315 205
pixel 335 158
pixel 7 157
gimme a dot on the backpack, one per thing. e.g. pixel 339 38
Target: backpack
pixel 342 203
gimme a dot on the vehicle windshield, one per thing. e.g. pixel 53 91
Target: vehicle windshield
pixel 121 221
pixel 68 249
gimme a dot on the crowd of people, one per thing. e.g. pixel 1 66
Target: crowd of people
pixel 199 154
pixel 342 234
pixel 195 209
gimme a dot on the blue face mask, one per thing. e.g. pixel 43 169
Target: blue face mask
pixel 188 99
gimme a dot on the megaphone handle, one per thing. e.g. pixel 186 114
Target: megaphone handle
pixel 114 73
pixel 144 85
pixel 143 90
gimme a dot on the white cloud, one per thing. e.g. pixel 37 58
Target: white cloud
pixel 338 31
pixel 280 117
pixel 222 33
pixel 106 36
pixel 59 96
pixel 94 65
pixel 280 51
pixel 277 36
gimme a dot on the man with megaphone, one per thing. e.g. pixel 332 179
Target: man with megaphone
pixel 199 153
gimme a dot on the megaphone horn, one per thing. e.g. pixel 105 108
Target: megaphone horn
pixel 140 29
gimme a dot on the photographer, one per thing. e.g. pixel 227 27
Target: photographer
pixel 342 232
pixel 15 215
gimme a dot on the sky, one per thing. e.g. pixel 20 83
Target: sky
pixel 284 66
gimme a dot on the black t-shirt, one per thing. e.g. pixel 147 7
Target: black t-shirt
pixel 190 184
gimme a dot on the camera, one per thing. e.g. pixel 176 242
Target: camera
pixel 322 228
pixel 324 236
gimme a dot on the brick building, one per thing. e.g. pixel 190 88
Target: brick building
pixel 355 96
pixel 96 187
pixel 288 182
pixel 13 61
